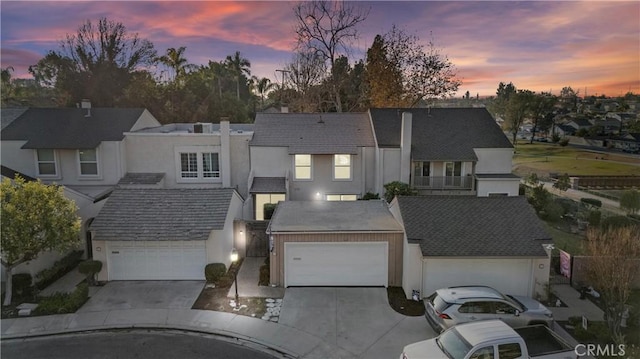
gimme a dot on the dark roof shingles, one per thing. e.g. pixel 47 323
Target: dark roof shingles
pixel 68 128
pixel 268 185
pixel 440 134
pixel 473 226
pixel 162 214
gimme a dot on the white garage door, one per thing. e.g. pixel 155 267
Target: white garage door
pixel 336 264
pixel 511 276
pixel 156 260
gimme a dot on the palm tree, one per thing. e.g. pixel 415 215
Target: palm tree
pixel 176 61
pixel 263 86
pixel 239 66
pixel 6 82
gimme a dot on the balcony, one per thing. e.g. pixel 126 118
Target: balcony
pixel 443 183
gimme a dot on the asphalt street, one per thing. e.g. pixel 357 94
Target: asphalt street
pixel 136 344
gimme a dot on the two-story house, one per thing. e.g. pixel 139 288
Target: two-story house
pixel 82 149
pixel 311 156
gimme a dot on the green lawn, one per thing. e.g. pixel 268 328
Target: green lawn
pixel 568 242
pixel 545 158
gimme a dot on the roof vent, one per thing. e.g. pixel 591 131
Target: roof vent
pixel 320 120
pixel 86 104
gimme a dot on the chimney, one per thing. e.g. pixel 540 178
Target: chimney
pixel 284 109
pixel 225 153
pixel 405 147
pixel 86 104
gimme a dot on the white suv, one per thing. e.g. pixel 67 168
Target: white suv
pixel 454 305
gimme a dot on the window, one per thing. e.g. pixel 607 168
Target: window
pixel 483 353
pixel 264 198
pixel 342 167
pixel 509 351
pixel 476 307
pixel 453 173
pixel 189 165
pixel 210 165
pixel 504 308
pixel 422 169
pixel 88 162
pixel 47 165
pixel 341 197
pixel 302 166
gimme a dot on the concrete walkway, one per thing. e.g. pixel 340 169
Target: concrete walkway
pixel 575 305
pixel 248 279
pixel 66 284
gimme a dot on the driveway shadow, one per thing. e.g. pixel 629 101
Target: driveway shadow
pixel 144 295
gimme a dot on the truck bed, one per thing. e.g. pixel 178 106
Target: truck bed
pixel 541 340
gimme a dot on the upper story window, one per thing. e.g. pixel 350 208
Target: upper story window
pixel 421 169
pixel 342 197
pixel 342 167
pixel 189 165
pixel 210 165
pixel 198 163
pixel 88 160
pixel 302 167
pixel 47 165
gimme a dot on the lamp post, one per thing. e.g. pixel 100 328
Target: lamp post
pixel 234 259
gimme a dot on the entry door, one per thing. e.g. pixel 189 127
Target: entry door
pixel 336 264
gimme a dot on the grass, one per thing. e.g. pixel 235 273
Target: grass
pixel 399 302
pixel 568 242
pixel 546 158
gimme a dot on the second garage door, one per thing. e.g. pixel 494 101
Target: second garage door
pixel 159 260
pixel 336 264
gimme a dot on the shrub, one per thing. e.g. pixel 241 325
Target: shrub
pixel 552 211
pixel 634 216
pixel 60 303
pixel 397 188
pixel 47 276
pixel 630 201
pixel 22 284
pixel 532 179
pixel 568 205
pixel 90 268
pixel 555 138
pixel 522 189
pixel 539 198
pixel 370 195
pixel 591 202
pixel 269 208
pixel 594 218
pixel 563 142
pixel 214 271
pixel 617 222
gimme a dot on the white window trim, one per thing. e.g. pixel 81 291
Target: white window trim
pixel 310 167
pixel 198 150
pixel 444 168
pixel 350 167
pixel 326 197
pixel 56 163
pixel 98 162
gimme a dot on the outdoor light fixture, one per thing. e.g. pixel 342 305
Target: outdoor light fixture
pixel 234 259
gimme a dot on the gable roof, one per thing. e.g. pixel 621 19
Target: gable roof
pixel 8 115
pixel 440 134
pixel 460 226
pixel 11 173
pixel 269 185
pixel 68 128
pixel 162 214
pixel 313 133
pixel 333 216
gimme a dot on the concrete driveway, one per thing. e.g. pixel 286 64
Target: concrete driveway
pixel 352 322
pixel 115 295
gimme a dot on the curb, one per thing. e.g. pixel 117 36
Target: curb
pixel 229 336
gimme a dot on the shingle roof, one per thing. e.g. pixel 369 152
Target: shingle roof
pixel 497 176
pixel 473 226
pixel 162 214
pixel 131 178
pixel 313 133
pixel 68 128
pixel 330 216
pixel 268 185
pixel 11 173
pixel 9 114
pixel 440 134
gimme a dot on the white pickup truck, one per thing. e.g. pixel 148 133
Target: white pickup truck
pixel 491 339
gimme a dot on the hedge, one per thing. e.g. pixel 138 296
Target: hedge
pixel 214 271
pixel 60 303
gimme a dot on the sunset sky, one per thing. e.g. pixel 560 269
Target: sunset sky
pixel 593 47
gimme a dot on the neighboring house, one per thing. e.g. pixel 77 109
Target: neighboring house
pixel 579 123
pixel 302 157
pixel 162 234
pixel 458 240
pixel 564 130
pixel 629 142
pixel 443 151
pixel 335 243
pixel 79 148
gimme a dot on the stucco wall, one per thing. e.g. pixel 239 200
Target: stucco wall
pixel 17 159
pixel 221 242
pixel 240 162
pixel 390 167
pixel 494 160
pixel 487 187
pixel 270 161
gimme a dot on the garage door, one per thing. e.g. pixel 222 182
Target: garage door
pixel 146 260
pixel 512 276
pixel 336 264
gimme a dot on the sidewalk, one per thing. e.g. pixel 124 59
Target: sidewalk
pixel 575 305
pixel 66 284
pixel 248 279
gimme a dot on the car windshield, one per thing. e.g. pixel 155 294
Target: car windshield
pixel 452 344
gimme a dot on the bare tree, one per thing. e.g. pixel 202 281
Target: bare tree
pixel 327 28
pixel 305 73
pixel 613 266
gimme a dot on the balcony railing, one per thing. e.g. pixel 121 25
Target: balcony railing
pixel 443 182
